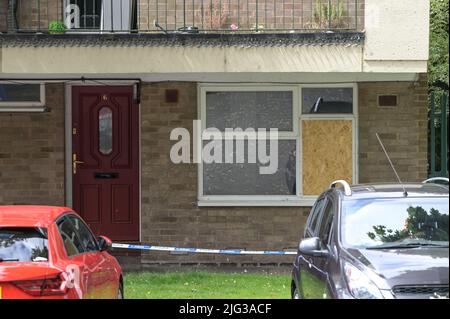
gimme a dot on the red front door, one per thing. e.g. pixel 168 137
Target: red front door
pixel 105 160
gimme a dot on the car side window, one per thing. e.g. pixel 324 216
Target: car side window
pixel 315 213
pixel 326 223
pixel 85 235
pixel 72 243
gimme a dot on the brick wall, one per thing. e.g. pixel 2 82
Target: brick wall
pixel 169 192
pixel 272 14
pixel 3 15
pixel 403 130
pixel 32 154
pixel 170 215
pixel 32 170
pixel 207 15
pixel 37 15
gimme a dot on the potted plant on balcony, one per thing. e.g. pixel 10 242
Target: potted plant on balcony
pixel 328 15
pixel 57 27
pixel 257 28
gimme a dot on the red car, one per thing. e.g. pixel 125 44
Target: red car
pixel 49 252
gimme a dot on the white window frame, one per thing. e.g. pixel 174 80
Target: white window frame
pixel 35 106
pixel 354 117
pixel 116 6
pixel 299 199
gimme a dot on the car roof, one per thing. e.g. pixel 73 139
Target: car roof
pixel 30 216
pixel 391 190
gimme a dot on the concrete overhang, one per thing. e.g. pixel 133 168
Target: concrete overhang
pixel 148 54
pixel 194 56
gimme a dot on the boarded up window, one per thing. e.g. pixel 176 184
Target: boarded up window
pixel 327 153
pixel 325 139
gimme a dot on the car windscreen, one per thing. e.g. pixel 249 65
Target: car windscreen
pixel 23 245
pixel 395 223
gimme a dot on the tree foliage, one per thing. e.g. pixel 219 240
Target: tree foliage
pixel 439 46
pixel 419 225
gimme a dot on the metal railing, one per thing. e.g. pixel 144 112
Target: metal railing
pixel 438 135
pixel 187 16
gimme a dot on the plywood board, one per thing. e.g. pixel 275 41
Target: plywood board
pixel 327 147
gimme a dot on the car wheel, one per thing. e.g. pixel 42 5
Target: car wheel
pixel 120 294
pixel 295 294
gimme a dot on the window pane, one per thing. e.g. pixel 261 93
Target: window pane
pixel 105 130
pixel 378 222
pixel 84 233
pixel 70 239
pixel 327 100
pixel 250 110
pixel 20 93
pixel 315 217
pixel 325 224
pixel 23 244
pixel 245 179
pixel 90 12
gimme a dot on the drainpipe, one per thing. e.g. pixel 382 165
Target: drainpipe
pixel 12 22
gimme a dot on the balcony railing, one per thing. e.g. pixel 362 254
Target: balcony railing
pixel 184 16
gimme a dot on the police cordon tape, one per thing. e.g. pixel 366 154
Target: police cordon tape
pixel 203 251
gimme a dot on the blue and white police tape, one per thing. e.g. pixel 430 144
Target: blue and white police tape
pixel 203 251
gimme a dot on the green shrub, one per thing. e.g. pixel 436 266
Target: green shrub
pixel 57 27
pixel 329 15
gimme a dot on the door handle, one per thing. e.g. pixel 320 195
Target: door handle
pixel 75 163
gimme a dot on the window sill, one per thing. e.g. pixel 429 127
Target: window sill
pixel 256 201
pixel 23 109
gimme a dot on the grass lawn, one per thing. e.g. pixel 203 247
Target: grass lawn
pixel 205 285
